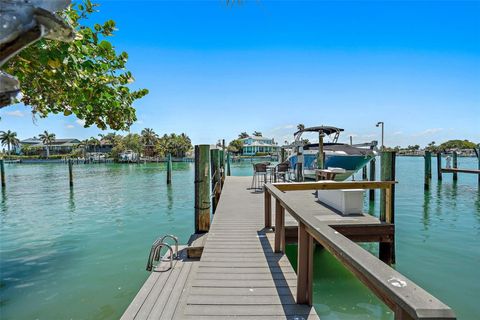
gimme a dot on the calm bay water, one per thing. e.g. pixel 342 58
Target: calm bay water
pixel 81 254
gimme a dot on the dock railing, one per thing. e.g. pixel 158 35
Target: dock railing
pixel 404 297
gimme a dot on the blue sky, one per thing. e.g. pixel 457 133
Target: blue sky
pixel 215 70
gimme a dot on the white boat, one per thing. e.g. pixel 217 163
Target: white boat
pixel 343 158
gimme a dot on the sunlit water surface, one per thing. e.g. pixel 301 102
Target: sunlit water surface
pixel 81 253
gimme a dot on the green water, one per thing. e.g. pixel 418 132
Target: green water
pixel 81 254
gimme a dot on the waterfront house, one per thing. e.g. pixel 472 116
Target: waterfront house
pixel 256 145
pixel 58 146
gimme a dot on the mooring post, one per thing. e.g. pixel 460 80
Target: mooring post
pixel 439 166
pixel 372 178
pixel 2 173
pixel 282 155
pixel 478 158
pixel 202 188
pixel 169 168
pixel 455 165
pixel 387 204
pixel 428 169
pixel 70 172
pixel 216 177
pixel 228 164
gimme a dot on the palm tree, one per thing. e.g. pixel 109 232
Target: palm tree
pixel 257 133
pixel 149 136
pixel 243 135
pixel 47 139
pixel 9 138
pixel 300 126
pixel 94 142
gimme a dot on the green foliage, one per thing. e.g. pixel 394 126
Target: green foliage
pixel 85 77
pixel 243 135
pixel 132 141
pixel 9 138
pixel 235 146
pixel 257 134
pixel 176 145
pixel 300 126
pixel 457 144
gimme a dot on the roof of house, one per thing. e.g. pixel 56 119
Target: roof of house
pixel 56 142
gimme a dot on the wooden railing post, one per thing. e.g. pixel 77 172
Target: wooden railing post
pixel 304 266
pixel 216 176
pixel 202 188
pixel 387 204
pixel 228 164
pixel 279 245
pixel 428 169
pixel 372 178
pixel 268 208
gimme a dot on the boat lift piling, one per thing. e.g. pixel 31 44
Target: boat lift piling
pixel 70 172
pixel 455 170
pixel 372 178
pixel 202 188
pixel 387 203
pixel 169 169
pixel 455 165
pixel 321 153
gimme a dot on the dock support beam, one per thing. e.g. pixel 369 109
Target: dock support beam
pixel 439 166
pixel 387 204
pixel 2 173
pixel 279 245
pixel 202 188
pixel 372 178
pixel 304 266
pixel 70 172
pixel 428 169
pixel 455 165
pixel 169 168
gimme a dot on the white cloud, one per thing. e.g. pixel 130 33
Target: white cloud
pixel 69 126
pixel 15 113
pixel 80 122
pixel 428 132
pixel 397 133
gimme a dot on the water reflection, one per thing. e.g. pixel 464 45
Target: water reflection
pixel 71 201
pixel 4 200
pixel 169 199
pixel 427 198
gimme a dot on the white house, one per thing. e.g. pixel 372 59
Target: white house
pixel 253 145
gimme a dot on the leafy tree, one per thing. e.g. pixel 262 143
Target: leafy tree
pixel 94 142
pixel 235 146
pixel 243 135
pixel 457 144
pixel 9 138
pixel 257 134
pixel 300 126
pixel 413 148
pixel 85 77
pixel 47 139
pixel 176 145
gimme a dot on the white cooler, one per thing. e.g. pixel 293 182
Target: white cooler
pixel 346 201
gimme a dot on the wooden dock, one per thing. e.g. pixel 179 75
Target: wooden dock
pixel 238 275
pixel 243 272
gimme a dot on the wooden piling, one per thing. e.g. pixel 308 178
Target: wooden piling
pixel 428 169
pixel 70 172
pixel 455 165
pixel 304 266
pixel 169 168
pixel 320 155
pixel 282 155
pixel 228 164
pixel 439 166
pixel 202 188
pixel 372 178
pixel 478 158
pixel 387 204
pixel 2 173
pixel 216 176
